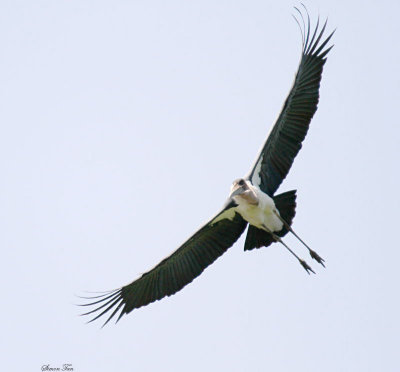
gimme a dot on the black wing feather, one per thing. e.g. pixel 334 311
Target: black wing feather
pixel 290 129
pixel 173 272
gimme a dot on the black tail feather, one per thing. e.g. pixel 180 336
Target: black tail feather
pixel 286 205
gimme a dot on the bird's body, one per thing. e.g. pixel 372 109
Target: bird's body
pixel 252 201
pixel 258 208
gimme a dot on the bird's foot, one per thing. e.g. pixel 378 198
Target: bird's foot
pixel 317 257
pixel 306 266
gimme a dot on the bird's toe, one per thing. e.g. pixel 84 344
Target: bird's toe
pixel 306 267
pixel 317 257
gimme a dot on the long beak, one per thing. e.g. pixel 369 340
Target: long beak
pixel 238 191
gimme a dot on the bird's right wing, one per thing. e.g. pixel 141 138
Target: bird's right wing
pixel 177 270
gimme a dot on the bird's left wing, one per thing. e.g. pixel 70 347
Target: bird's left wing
pixel 285 139
pixel 177 270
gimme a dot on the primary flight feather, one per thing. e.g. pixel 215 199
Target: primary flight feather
pixel 251 200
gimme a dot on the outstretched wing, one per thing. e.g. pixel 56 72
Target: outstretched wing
pixel 177 270
pixel 284 141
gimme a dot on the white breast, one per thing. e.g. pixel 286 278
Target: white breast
pixel 261 214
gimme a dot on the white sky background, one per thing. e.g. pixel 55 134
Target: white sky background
pixel 123 124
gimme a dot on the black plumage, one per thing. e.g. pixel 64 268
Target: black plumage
pixel 290 129
pixel 221 232
pixel 286 205
pixel 175 271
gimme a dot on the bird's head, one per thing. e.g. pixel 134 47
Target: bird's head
pixel 238 187
pixel 242 189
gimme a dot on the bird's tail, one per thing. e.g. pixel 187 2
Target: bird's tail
pixel 286 205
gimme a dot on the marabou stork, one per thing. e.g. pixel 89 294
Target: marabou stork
pixel 252 199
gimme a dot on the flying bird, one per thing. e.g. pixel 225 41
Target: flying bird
pixel 252 200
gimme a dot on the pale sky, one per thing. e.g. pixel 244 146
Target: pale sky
pixel 124 124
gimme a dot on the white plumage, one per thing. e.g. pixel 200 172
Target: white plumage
pixel 255 206
pixel 252 200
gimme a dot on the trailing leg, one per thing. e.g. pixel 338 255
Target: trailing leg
pixel 313 254
pixel 278 239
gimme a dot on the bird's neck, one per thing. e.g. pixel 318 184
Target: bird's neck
pixel 248 197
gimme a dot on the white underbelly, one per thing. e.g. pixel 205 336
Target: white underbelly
pixel 259 217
